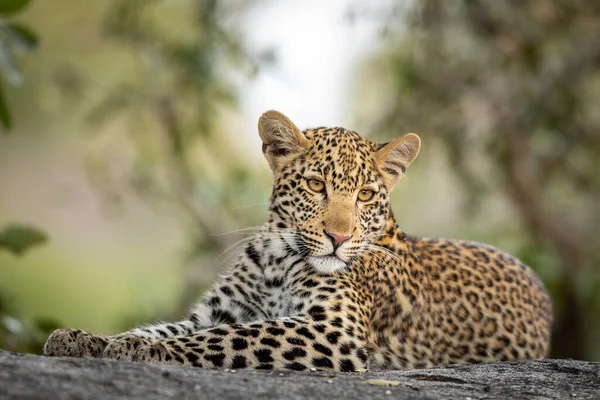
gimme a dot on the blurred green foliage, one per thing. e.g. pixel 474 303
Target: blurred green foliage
pixel 176 85
pixel 511 90
pixel 15 38
pixel 184 82
pixel 19 238
pixel 22 334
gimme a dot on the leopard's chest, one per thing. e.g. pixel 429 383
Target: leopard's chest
pixel 289 287
pixel 276 287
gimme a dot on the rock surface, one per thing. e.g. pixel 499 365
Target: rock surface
pixel 24 376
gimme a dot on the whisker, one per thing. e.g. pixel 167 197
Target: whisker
pixel 239 242
pixel 383 250
pixel 268 235
pixel 254 228
pixel 250 205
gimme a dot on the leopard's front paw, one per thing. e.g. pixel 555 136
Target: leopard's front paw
pixel 124 347
pixel 74 343
pixel 155 353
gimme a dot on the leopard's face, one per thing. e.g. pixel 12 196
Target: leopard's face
pixel 333 196
pixel 330 198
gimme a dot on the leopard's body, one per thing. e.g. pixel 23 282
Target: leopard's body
pixel 331 282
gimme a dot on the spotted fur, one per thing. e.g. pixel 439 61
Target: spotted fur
pixel 331 282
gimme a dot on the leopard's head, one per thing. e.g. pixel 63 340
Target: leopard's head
pixel 331 195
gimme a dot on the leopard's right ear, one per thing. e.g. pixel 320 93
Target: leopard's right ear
pixel 282 140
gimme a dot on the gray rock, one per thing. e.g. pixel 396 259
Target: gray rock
pixel 24 376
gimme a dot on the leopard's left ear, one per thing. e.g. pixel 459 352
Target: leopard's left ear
pixel 395 157
pixel 282 140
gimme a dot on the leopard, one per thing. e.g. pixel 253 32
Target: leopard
pixel 331 282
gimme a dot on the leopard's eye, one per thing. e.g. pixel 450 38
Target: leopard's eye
pixel 316 185
pixel 365 195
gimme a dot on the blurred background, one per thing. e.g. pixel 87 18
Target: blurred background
pixel 128 141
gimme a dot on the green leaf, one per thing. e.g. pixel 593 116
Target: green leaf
pixel 5 117
pixel 19 238
pixel 8 7
pixel 22 35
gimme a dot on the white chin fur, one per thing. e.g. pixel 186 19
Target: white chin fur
pixel 326 264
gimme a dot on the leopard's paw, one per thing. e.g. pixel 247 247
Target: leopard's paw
pixel 124 347
pixel 155 353
pixel 74 343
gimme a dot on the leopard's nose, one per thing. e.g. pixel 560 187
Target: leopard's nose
pixel 336 240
